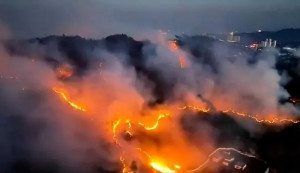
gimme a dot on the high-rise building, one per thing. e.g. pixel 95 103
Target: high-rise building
pixel 231 38
pixel 268 43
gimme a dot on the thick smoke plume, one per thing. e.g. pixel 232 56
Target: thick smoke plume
pixel 123 87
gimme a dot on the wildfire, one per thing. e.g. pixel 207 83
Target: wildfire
pixel 196 108
pixel 274 120
pixel 177 166
pixel 159 162
pixel 119 122
pixel 64 71
pixel 126 168
pixel 161 167
pixel 266 121
pixel 115 126
pixel 173 46
pixel 182 62
pixel 181 59
pixel 161 116
pixel 63 95
pixel 128 123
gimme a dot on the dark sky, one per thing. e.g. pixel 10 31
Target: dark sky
pixel 97 18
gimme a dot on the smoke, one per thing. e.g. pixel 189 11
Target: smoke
pixel 227 81
pixel 39 133
pixel 4 31
pixel 120 81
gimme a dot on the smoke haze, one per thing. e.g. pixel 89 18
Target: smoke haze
pixel 98 18
pixel 119 103
pixel 43 133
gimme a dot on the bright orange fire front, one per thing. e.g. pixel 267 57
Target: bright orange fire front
pixel 173 46
pixel 161 167
pixel 161 116
pixel 172 153
pixel 181 58
pixel 64 96
pixel 271 120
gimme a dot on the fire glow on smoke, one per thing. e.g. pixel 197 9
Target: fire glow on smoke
pixel 157 160
pixel 145 137
pixel 165 157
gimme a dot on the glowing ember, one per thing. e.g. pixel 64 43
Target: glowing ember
pixel 128 123
pixel 126 168
pixel 227 150
pixel 196 108
pixel 182 62
pixel 64 71
pixel 63 95
pixel 173 46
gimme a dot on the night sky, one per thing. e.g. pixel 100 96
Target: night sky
pixel 98 18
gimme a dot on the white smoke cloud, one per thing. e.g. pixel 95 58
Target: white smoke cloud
pixel 238 85
pixel 46 134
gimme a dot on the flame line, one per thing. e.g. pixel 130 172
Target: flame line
pixel 72 104
pixel 161 116
pixel 254 117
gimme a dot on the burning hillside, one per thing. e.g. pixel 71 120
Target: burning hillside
pixel 121 105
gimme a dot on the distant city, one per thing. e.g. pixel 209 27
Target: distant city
pixel 285 40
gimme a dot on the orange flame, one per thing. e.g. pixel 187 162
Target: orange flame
pixel 177 166
pixel 63 95
pixel 182 62
pixel 181 59
pixel 161 116
pixel 161 161
pixel 266 121
pixel 64 71
pixel 253 117
pixel 161 167
pixel 128 123
pixel 173 46
pixel 125 169
pixel 115 126
pixel 196 108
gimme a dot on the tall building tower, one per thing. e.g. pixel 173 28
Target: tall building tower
pixel 274 43
pixel 270 43
pixel 231 38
